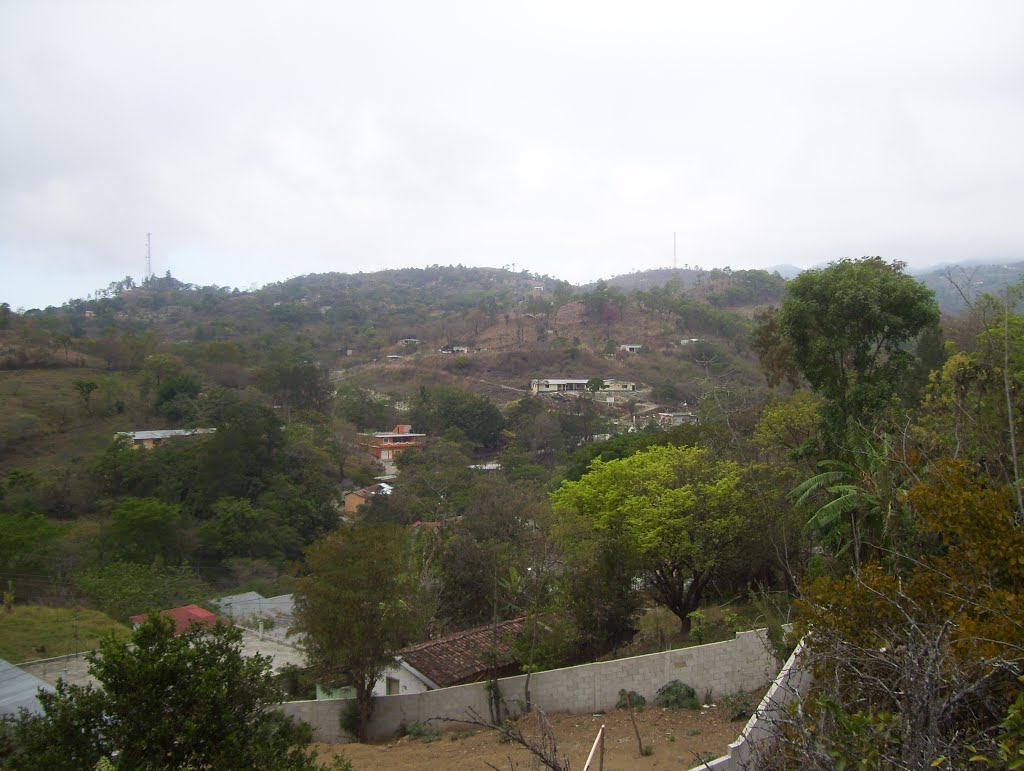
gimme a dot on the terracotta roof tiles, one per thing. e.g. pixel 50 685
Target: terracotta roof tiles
pixel 467 656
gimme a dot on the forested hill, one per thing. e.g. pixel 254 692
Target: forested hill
pixel 514 327
pixel 956 286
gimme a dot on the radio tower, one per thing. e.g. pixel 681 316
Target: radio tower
pixel 674 268
pixel 149 260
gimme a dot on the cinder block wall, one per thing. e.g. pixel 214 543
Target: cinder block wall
pixel 744 663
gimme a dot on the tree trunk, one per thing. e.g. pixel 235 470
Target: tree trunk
pixel 364 700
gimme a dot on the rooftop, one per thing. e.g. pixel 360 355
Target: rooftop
pixel 164 433
pixel 465 657
pixel 19 689
pixel 184 617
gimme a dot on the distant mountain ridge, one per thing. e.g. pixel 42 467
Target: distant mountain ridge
pixel 957 284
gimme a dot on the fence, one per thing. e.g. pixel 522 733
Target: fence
pixel 744 663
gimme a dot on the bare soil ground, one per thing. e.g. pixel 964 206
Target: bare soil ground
pixel 677 737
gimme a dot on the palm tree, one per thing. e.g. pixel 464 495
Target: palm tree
pixel 865 499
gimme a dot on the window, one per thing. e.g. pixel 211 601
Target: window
pixel 391 686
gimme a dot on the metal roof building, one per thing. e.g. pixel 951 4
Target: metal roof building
pixel 18 690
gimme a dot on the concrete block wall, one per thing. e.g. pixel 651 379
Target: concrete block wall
pixel 744 663
pixel 792 683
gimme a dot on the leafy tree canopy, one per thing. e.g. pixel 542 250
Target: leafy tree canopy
pixel 436 409
pixel 676 510
pixel 357 606
pixel 848 325
pixel 166 702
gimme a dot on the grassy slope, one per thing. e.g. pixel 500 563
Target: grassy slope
pixel 43 424
pixel 37 632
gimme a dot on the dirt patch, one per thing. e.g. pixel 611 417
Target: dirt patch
pixel 676 736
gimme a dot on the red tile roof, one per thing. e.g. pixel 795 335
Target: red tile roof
pixel 467 656
pixel 184 617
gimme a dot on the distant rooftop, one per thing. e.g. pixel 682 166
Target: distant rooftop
pixel 164 433
pixel 19 690
pixel 184 617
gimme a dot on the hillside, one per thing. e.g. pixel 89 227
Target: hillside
pixel 514 327
pixel 956 286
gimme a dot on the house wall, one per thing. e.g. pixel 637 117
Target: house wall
pixel 353 502
pixel 407 682
pixel 744 663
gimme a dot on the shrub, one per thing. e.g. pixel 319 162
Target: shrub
pixel 423 731
pixel 630 698
pixel 349 719
pixel 702 759
pixel 340 763
pixel 676 694
pixel 740 705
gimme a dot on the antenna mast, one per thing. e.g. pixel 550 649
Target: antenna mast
pixel 149 261
pixel 674 251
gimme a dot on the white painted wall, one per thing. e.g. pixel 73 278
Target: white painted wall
pixel 407 682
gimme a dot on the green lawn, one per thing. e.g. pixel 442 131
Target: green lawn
pixel 38 632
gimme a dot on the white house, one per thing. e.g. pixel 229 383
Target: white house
pixel 563 385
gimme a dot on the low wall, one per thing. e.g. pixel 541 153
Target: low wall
pixel 744 663
pixel 791 683
pixel 72 668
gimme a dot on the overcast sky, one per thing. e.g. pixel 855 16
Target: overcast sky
pixel 258 141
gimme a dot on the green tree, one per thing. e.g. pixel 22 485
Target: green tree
pixel 500 532
pixel 175 396
pixel 237 458
pixel 597 588
pixel 676 511
pixel 437 409
pixel 156 368
pixel 364 409
pixel 435 483
pixel 357 605
pixel 239 529
pixel 864 511
pixel 301 385
pixel 85 390
pixel 165 702
pixel 849 325
pixel 144 529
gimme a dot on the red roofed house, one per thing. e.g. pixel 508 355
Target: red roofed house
pixel 460 658
pixel 184 617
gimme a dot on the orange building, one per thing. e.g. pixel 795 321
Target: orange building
pixel 387 445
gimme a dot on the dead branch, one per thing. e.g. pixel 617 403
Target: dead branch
pixel 544 747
